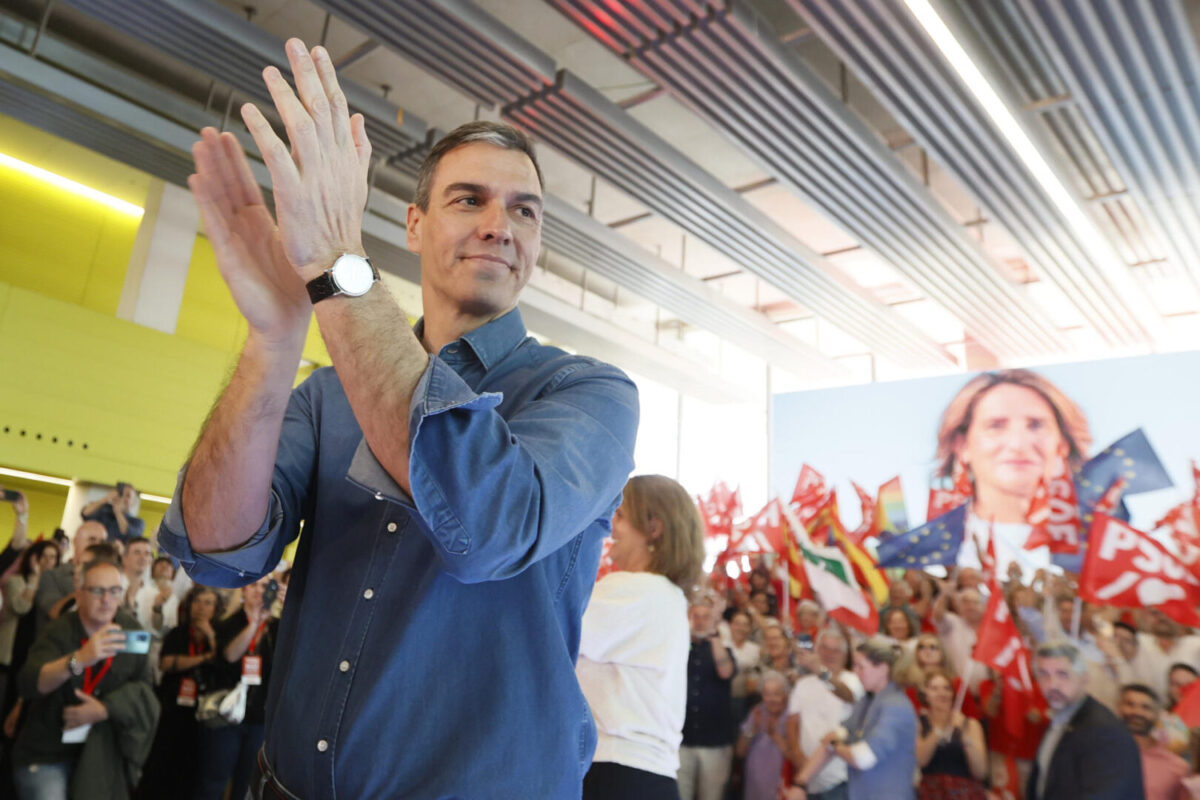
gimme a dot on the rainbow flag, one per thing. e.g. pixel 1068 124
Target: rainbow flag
pixel 892 515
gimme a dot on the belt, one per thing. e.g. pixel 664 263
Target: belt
pixel 264 785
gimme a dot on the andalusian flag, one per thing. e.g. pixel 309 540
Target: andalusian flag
pixel 832 580
pixel 866 570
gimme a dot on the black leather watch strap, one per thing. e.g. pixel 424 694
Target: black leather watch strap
pixel 321 287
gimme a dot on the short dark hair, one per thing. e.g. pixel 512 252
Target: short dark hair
pixel 165 560
pixel 1142 688
pixel 98 561
pixel 138 540
pixel 494 133
pixel 1181 665
pixel 1125 626
pixel 101 551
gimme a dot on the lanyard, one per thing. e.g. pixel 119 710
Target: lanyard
pixel 254 641
pixel 89 685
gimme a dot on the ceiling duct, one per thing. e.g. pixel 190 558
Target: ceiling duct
pixel 727 65
pixel 468 48
pixel 1131 72
pixel 886 48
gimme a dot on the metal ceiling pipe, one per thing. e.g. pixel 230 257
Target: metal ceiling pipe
pixel 919 89
pixel 724 64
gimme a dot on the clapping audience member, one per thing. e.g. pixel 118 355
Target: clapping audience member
pixel 246 649
pixel 951 749
pixel 708 732
pixel 763 740
pixel 92 710
pixel 746 655
pixel 186 661
pixel 16 634
pixel 777 656
pixel 633 649
pixel 19 540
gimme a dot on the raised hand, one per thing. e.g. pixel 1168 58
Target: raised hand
pixel 108 641
pixel 321 183
pixel 250 256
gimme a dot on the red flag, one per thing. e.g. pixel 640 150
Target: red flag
pixel 1124 567
pixel 810 487
pixel 943 500
pixel 1000 647
pixel 1111 498
pixel 606 562
pixel 869 527
pixel 1054 514
pixel 764 531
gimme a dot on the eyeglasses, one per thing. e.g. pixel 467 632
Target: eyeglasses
pixel 99 591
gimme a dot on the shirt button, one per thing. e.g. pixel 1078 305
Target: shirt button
pixel 344 666
pixel 322 746
pixel 391 527
pixel 368 594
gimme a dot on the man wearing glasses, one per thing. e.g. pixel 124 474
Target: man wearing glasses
pixel 82 687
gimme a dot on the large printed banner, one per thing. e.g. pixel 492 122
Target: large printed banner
pixel 1022 458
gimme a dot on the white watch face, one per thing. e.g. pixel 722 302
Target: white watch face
pixel 352 275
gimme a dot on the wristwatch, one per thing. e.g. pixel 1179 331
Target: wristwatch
pixel 351 275
pixel 73 665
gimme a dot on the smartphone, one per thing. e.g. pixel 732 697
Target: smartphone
pixel 10 496
pixel 137 642
pixel 121 485
pixel 804 641
pixel 270 592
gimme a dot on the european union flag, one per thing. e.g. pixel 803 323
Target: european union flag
pixel 935 543
pixel 1131 457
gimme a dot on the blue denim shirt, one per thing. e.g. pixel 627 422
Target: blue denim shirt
pixel 427 646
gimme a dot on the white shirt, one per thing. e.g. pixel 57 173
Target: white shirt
pixel 632 668
pixel 1010 547
pixel 822 711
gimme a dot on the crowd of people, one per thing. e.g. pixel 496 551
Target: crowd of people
pixel 121 678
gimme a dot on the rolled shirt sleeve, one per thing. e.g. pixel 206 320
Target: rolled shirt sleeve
pixel 495 494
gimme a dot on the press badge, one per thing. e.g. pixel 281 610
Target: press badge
pixel 252 670
pixel 76 735
pixel 187 692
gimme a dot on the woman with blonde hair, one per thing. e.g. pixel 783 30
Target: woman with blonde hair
pixel 635 639
pixel 1005 432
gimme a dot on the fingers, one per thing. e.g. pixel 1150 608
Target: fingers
pixel 285 177
pixel 313 101
pixel 358 130
pixel 246 190
pixel 335 100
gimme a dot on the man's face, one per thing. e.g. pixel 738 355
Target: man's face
pixel 138 557
pixel 480 236
pixel 899 592
pixel 1061 685
pixel 808 618
pixel 89 533
pixel 970 603
pixel 700 617
pixel 832 656
pixel 1127 643
pixel 100 595
pixel 162 570
pixel 1013 441
pixel 774 642
pixel 1139 712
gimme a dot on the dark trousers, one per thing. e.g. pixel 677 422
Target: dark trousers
pixel 225 753
pixel 608 781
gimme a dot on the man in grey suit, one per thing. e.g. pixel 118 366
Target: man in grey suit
pixel 1086 753
pixel 57 587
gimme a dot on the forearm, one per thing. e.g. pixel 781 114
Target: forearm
pixel 56 610
pixel 926 745
pixel 238 646
pixel 814 765
pixel 93 507
pixel 977 756
pixel 181 663
pixel 379 363
pixel 227 486
pixel 721 659
pixel 53 674
pixel 122 523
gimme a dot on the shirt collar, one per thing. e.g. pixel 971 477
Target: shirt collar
pixel 490 342
pixel 1060 718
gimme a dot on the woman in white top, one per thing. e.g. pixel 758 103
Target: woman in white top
pixel 634 647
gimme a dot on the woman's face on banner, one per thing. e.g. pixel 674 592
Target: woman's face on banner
pixel 1013 440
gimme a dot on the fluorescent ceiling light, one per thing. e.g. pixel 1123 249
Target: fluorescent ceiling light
pixel 34 476
pixel 1089 235
pixel 68 185
pixel 38 477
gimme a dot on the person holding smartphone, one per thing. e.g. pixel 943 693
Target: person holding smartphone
pixel 84 690
pixel 245 650
pixel 117 512
pixel 19 540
